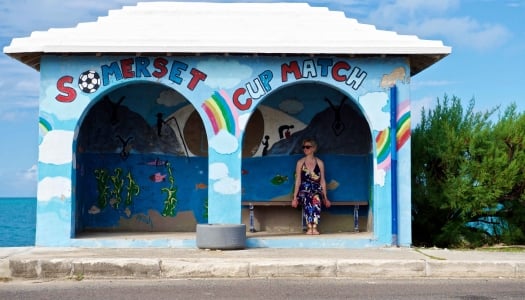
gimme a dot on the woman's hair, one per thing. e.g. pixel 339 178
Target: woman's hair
pixel 311 141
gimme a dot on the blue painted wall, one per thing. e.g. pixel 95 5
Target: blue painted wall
pixel 99 143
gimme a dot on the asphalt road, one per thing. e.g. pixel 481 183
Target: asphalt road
pixel 282 288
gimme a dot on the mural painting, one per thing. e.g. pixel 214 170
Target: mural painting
pixel 157 138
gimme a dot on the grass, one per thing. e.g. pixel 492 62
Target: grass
pixel 428 255
pixel 500 248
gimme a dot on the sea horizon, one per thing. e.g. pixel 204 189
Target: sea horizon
pixel 17 221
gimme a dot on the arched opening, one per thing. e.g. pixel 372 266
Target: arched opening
pixel 136 167
pixel 288 115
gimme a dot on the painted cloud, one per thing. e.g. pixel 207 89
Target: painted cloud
pixel 224 184
pixel 375 104
pixel 291 106
pixel 56 147
pixel 170 98
pixel 54 187
pixel 224 142
pixel 218 78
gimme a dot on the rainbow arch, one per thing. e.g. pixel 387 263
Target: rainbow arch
pixel 403 124
pixel 383 149
pixel 220 113
pixel 44 126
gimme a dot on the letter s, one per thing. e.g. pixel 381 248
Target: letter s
pixel 69 93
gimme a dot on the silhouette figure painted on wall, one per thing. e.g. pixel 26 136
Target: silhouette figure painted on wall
pixel 160 123
pixel 126 146
pixel 337 126
pixel 265 144
pixel 284 131
pixel 114 109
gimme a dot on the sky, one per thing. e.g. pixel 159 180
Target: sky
pixel 487 62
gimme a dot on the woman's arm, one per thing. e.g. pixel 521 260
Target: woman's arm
pixel 295 201
pixel 327 202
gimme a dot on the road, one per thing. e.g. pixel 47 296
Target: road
pixel 287 288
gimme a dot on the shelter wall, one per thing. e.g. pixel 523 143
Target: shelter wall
pixel 214 161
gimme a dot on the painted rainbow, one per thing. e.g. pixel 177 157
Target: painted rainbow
pixel 44 126
pixel 403 124
pixel 220 113
pixel 383 149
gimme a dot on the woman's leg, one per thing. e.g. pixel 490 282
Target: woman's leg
pixel 316 213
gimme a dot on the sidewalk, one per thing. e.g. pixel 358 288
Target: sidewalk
pixel 30 263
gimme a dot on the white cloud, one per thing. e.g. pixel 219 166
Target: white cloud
pixel 170 98
pixel 438 19
pixel 379 177
pixel 30 174
pixel 375 105
pixel 291 106
pixel 463 31
pixel 218 78
pixel 224 142
pixel 217 171
pixel 56 147
pixel 243 120
pixel 227 186
pixel 54 187
pixel 224 184
pixel 388 12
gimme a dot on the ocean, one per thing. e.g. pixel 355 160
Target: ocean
pixel 17 222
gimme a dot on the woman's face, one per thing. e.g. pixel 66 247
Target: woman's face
pixel 308 147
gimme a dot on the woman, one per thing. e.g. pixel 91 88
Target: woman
pixel 310 186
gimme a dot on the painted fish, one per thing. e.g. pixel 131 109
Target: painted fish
pixel 332 185
pixel 279 179
pixel 157 162
pixel 201 186
pixel 94 210
pixel 157 177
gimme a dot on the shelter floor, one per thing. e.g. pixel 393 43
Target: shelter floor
pixel 192 235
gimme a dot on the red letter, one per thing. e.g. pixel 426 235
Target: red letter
pixel 126 66
pixel 335 70
pixel 160 64
pixel 293 67
pixel 197 76
pixel 238 92
pixel 70 93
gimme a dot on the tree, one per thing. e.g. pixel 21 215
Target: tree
pixel 507 167
pixel 451 188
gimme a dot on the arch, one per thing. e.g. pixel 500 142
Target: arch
pixel 133 169
pixel 336 121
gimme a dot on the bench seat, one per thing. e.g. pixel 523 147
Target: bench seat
pixel 252 204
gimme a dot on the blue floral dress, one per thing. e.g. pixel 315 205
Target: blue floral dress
pixel 310 193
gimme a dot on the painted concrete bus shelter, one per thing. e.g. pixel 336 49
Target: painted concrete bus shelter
pixel 161 116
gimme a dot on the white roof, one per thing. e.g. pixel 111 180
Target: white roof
pixel 173 28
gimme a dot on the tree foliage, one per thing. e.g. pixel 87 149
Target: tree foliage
pixel 468 179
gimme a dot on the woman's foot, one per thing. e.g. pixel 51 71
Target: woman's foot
pixel 310 230
pixel 314 230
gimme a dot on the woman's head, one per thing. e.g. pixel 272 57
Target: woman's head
pixel 309 144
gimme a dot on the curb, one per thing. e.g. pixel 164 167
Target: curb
pixel 134 268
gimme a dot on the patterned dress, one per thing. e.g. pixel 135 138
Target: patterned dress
pixel 310 193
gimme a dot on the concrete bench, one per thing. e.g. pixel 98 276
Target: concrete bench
pixel 252 204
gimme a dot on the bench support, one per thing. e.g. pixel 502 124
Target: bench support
pixel 252 205
pixel 356 218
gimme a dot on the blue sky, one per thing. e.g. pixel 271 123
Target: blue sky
pixel 487 61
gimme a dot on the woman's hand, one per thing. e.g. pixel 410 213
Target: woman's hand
pixel 295 202
pixel 327 202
